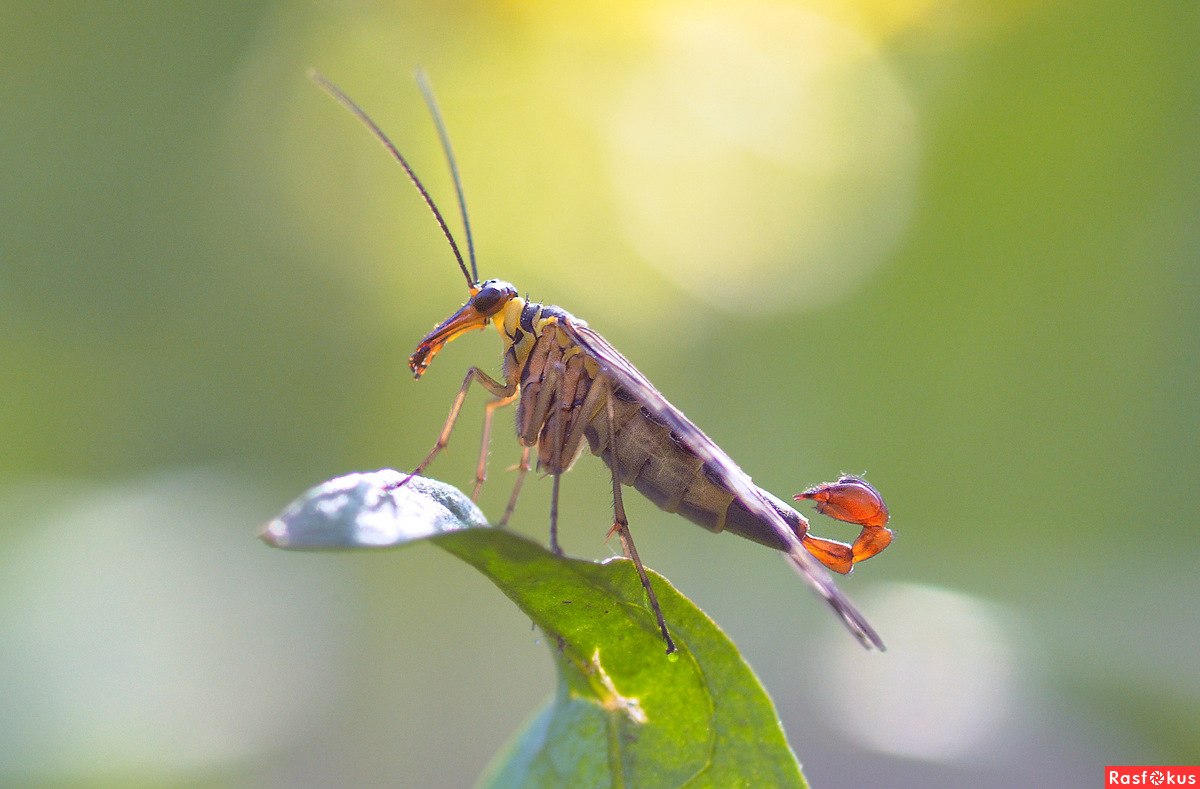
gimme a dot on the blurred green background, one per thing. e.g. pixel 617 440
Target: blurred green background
pixel 950 244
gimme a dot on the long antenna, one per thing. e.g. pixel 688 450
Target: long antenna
pixel 435 111
pixel 358 112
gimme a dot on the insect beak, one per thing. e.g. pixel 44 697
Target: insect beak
pixel 464 320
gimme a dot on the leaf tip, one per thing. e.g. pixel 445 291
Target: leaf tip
pixel 274 533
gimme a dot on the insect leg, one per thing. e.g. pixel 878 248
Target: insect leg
pixel 621 523
pixel 548 407
pixel 522 470
pixel 555 378
pixel 474 374
pixel 554 546
pixel 481 468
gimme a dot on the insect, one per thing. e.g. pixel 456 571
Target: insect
pixel 571 387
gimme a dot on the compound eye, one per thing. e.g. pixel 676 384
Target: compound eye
pixel 487 299
pixel 492 295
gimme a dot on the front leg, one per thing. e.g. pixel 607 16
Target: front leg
pixel 522 470
pixel 499 390
pixel 486 440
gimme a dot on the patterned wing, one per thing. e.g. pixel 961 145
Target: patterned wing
pixel 754 499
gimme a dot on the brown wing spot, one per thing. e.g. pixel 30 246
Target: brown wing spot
pixel 712 476
pixel 623 395
pixel 649 416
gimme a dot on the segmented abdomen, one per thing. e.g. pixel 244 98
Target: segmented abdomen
pixel 657 463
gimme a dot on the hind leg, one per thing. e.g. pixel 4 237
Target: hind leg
pixel 621 527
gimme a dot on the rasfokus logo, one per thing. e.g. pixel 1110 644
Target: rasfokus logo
pixel 1151 775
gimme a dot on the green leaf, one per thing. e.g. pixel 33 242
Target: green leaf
pixel 625 713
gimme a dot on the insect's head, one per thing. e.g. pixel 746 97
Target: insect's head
pixel 488 299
